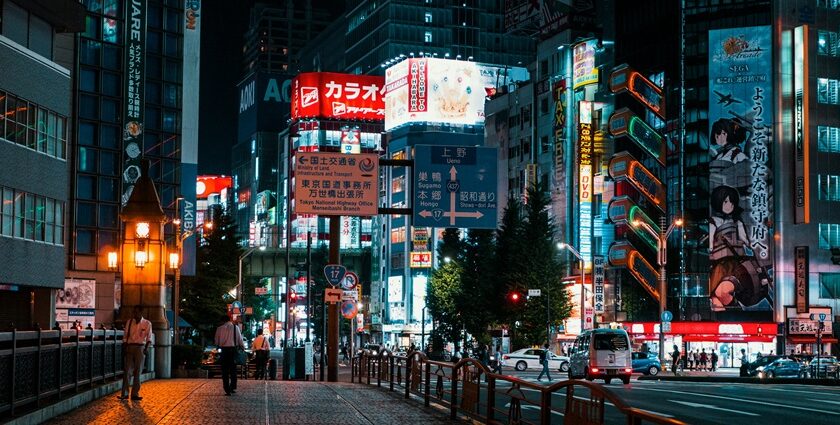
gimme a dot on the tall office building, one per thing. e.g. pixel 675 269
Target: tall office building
pixel 751 169
pixel 128 101
pixel 36 70
pixel 381 31
pixel 275 37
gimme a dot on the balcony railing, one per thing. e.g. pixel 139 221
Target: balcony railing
pixel 45 365
pixel 468 388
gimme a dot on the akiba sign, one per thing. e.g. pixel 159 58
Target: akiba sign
pixel 263 103
pixel 338 96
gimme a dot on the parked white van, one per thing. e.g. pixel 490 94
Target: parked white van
pixel 602 354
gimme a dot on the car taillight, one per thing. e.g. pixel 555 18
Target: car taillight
pixel 505 357
pixel 628 370
pixel 594 370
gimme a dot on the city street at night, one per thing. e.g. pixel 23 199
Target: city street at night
pixel 347 211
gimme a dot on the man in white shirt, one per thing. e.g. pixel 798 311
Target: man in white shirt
pixel 136 341
pixel 228 339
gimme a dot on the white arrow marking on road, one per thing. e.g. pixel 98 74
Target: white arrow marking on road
pixel 763 403
pixel 711 406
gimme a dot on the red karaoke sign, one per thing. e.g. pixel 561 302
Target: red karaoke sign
pixel 338 96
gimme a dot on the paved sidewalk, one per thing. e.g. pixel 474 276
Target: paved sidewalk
pixel 202 401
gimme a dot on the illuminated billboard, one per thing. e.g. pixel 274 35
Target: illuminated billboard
pixel 585 71
pixel 338 96
pixel 208 184
pixel 442 90
pixel 740 178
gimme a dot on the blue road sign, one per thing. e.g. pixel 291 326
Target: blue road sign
pixel 236 304
pixel 455 186
pixel 334 273
pixel 667 316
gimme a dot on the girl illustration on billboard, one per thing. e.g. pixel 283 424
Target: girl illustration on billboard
pixel 728 136
pixel 737 279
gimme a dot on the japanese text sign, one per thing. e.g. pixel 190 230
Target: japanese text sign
pixel 598 282
pixel 455 186
pixel 339 96
pixel 329 183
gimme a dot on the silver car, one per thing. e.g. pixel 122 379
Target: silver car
pixel 529 358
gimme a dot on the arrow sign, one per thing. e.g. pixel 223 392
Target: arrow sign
pixel 332 295
pixel 335 273
pixel 712 407
pixel 350 281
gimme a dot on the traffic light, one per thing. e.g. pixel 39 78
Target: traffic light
pixel 514 297
pixel 835 255
pixel 293 298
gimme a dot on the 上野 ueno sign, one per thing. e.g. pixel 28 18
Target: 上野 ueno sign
pixel 329 183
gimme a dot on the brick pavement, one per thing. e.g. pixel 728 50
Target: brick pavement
pixel 202 401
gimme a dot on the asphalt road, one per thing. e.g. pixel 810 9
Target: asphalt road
pixel 698 402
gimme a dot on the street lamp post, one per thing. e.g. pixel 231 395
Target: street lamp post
pixel 576 253
pixel 662 259
pixel 244 255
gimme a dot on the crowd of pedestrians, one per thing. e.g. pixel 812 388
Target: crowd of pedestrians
pixel 698 360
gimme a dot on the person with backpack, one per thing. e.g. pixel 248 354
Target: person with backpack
pixel 544 356
pixel 261 349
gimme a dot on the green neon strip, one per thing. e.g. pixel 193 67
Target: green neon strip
pixel 646 137
pixel 636 213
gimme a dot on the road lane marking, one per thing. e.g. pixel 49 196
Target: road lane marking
pixel 713 407
pixel 532 407
pixel 267 416
pixel 824 401
pixel 807 409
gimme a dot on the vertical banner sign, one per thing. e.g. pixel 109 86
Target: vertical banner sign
pixel 801 281
pixel 585 72
pixel 598 283
pixel 559 135
pixel 585 189
pixel 801 132
pixel 133 93
pixel 189 132
pixel 740 178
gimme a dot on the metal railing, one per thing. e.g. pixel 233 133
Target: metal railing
pixel 468 388
pixel 39 365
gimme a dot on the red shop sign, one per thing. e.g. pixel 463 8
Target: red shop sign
pixel 338 96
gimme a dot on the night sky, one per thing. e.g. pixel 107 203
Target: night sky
pixel 222 28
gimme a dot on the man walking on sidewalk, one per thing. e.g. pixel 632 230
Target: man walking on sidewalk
pixel 714 360
pixel 138 337
pixel 544 357
pixel 675 356
pixel 229 339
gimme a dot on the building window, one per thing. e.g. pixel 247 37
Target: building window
pixel 544 106
pixel 427 37
pixel 829 4
pixel 829 235
pixel 428 18
pixel 828 188
pixel 398 235
pixel 398 184
pixel 827 43
pixel 544 145
pixel 830 285
pixel 827 91
pixel 32 217
pixel 828 139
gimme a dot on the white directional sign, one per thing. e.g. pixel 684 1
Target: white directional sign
pixel 534 292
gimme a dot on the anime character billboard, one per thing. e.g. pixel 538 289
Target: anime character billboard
pixel 740 178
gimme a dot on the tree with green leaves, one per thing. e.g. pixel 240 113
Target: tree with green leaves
pixel 443 291
pixel 477 283
pixel 205 296
pixel 540 268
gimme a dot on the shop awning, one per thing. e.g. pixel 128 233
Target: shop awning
pixel 809 339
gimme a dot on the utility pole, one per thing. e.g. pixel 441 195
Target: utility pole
pixel 308 282
pixel 332 322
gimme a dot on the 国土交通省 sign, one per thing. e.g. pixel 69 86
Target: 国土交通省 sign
pixel 328 183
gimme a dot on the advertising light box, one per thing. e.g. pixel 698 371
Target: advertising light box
pixel 442 90
pixel 338 96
